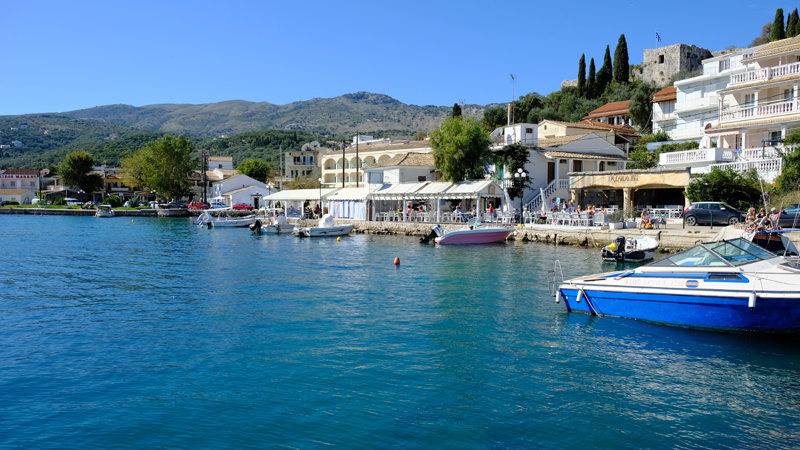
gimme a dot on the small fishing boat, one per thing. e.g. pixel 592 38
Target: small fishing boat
pixel 473 233
pixel 325 228
pixel 730 285
pixel 773 240
pixel 633 249
pixel 104 211
pixel 206 219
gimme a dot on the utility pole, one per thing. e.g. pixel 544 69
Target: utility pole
pixel 280 161
pixel 203 167
pixel 344 160
pixel 357 164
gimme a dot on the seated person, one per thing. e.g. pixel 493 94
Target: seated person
pixel 774 219
pixel 761 219
pixel 750 218
pixel 578 209
pixel 646 221
pixel 458 213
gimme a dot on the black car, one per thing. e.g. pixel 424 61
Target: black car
pixel 704 212
pixel 790 217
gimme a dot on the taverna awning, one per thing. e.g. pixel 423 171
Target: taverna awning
pixel 299 194
pixel 359 194
pixel 396 191
pixel 472 189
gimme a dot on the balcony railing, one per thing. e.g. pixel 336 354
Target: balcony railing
pixel 702 155
pixel 664 116
pixel 760 153
pixel 754 112
pixel 766 73
pixel 764 165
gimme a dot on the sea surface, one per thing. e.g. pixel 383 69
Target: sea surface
pixel 154 334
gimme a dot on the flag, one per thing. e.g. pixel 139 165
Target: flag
pixel 658 38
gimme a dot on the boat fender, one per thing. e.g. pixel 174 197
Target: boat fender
pixel 397 261
pixel 558 296
pixel 580 295
pixel 752 302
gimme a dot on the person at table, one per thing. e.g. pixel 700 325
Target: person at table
pixel 458 213
pixel 646 222
pixel 422 207
pixel 571 207
pixel 774 219
pixel 554 205
pixel 603 210
pixel 578 209
pixel 605 205
pixel 316 212
pixel 399 212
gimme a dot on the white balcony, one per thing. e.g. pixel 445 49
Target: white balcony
pixel 663 117
pixel 765 74
pixel 686 133
pixel 701 156
pixel 709 101
pixel 751 112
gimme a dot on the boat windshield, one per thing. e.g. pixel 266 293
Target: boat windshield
pixel 724 253
pixel 475 222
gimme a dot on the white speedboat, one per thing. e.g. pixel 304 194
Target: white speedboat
pixel 104 211
pixel 633 249
pixel 325 228
pixel 732 285
pixel 206 219
pixel 473 233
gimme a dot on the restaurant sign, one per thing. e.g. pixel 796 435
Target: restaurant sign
pixel 621 178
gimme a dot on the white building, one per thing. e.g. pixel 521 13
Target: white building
pixel 338 165
pixel 23 196
pixel 240 189
pixel 402 168
pixel 696 100
pixel 220 162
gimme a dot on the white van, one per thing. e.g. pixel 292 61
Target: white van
pixel 72 201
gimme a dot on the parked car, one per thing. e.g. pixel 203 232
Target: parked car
pixel 72 201
pixel 703 212
pixel 790 217
pixel 198 205
pixel 243 206
pixel 9 203
pixel 216 204
pixel 175 205
pixel 153 204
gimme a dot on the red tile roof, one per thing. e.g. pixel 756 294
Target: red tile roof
pixel 21 172
pixel 624 130
pixel 665 95
pixel 610 109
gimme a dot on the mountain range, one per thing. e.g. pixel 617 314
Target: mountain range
pixel 363 111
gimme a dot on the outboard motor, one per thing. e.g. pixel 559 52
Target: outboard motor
pixel 435 231
pixel 619 252
pixel 256 226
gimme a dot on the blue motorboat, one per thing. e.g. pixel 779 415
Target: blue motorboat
pixel 731 285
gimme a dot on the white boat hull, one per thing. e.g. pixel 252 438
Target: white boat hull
pixel 342 230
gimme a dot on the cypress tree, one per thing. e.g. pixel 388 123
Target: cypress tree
pixel 621 69
pixel 777 27
pixel 582 77
pixel 456 110
pixel 591 82
pixel 604 74
pixel 792 25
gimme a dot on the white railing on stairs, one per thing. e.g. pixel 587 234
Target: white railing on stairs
pixel 536 203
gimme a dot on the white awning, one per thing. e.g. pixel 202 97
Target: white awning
pixel 472 189
pixel 350 194
pixel 397 191
pixel 299 194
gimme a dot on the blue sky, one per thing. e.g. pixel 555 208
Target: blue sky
pixel 62 56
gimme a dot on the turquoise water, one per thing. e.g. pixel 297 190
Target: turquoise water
pixel 157 334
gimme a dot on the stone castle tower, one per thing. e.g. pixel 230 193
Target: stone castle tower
pixel 660 64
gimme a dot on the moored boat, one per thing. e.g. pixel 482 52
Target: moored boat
pixel 104 211
pixel 212 221
pixel 325 228
pixel 731 285
pixel 633 249
pixel 473 233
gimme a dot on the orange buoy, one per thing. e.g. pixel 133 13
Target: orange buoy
pixel 131 220
pixel 397 261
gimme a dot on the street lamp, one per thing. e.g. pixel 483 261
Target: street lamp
pixel 520 175
pixel 269 186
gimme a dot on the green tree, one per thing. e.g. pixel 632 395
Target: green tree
pixel 604 75
pixel 166 166
pixel 302 183
pixel 621 67
pixel 582 76
pixel 789 179
pixel 256 169
pixel 591 83
pixel 460 149
pixel 494 117
pixel 777 32
pixel 516 156
pixel 419 136
pixel 456 110
pixel 740 190
pixel 641 108
pixel 132 167
pixel 763 38
pixel 793 25
pixel 76 171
